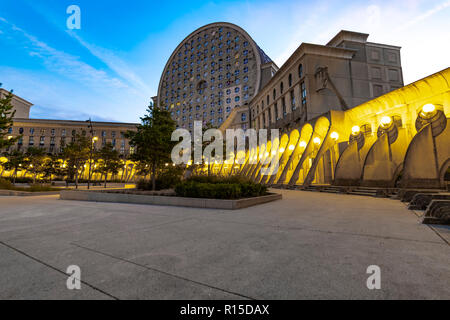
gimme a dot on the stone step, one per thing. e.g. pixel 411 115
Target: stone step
pixel 362 193
pixel 420 201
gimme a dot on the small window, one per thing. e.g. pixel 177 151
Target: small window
pixel 290 79
pixel 300 71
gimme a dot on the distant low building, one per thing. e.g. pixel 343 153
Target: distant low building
pixel 53 135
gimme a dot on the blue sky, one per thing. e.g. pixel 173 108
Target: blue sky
pixel 110 68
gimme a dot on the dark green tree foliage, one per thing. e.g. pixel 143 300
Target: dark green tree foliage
pixel 6 122
pixel 53 166
pixel 36 159
pixel 108 161
pixel 152 140
pixel 77 153
pixel 16 162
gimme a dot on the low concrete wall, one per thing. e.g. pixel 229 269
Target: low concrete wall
pixel 26 194
pixel 165 200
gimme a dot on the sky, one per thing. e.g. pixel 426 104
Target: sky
pixel 110 68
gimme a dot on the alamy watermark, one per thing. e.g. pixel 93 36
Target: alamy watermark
pixel 74 280
pixel 241 147
pixel 374 281
pixel 74 20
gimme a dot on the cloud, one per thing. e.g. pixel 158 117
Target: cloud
pixel 420 27
pixel 114 63
pixel 65 64
pixel 424 16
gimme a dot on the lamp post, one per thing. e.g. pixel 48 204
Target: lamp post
pixel 93 139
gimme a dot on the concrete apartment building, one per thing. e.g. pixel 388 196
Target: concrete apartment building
pixel 216 69
pixel 52 135
pixel 340 75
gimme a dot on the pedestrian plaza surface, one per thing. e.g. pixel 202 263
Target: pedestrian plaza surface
pixel 307 246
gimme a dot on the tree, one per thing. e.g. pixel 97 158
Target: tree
pixel 6 122
pixel 16 161
pixel 36 159
pixel 77 153
pixel 152 140
pixel 54 166
pixel 109 161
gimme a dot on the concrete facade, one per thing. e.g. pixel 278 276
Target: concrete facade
pixel 214 70
pixel 340 75
pixel 53 135
pixel 21 106
pixel 399 139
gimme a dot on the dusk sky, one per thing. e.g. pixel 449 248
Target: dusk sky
pixel 109 69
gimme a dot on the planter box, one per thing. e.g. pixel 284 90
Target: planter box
pixel 82 195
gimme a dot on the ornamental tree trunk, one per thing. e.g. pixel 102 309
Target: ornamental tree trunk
pixel 154 177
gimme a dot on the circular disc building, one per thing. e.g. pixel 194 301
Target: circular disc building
pixel 214 70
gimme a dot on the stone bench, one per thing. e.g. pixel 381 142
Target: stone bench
pixel 406 195
pixel 420 201
pixel 437 212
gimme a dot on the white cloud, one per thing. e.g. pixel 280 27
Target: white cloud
pixel 114 63
pixel 65 64
pixel 419 27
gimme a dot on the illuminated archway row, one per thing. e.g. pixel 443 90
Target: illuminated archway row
pixel 401 136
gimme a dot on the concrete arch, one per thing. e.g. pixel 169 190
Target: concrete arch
pixel 279 153
pixel 320 168
pixel 299 147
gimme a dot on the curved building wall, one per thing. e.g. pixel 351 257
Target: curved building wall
pixel 212 71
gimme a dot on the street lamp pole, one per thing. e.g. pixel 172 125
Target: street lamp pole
pixel 92 151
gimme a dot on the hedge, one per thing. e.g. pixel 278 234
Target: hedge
pixel 194 189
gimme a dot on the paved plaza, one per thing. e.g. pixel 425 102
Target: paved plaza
pixel 307 246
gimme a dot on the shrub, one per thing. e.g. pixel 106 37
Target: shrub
pixel 168 178
pixel 215 179
pixel 19 179
pixel 192 188
pixel 5 184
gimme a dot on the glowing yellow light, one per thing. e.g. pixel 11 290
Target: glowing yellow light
pixel 173 164
pixel 266 154
pixel 386 121
pixel 281 150
pixel 428 108
pixel 291 147
pixel 10 137
pixel 31 166
pixel 302 144
pixel 94 138
pixel 3 160
pixel 197 162
pixel 356 130
pixel 334 135
pixel 274 152
pixel 167 164
pixel 316 140
pixel 216 162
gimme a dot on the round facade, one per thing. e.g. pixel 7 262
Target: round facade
pixel 212 71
